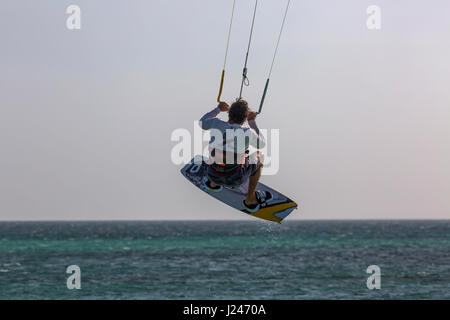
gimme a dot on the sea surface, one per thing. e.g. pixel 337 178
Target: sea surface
pixel 225 260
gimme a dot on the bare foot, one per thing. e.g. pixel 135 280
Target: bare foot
pixel 212 185
pixel 251 199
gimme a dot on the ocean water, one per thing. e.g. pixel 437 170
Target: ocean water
pixel 225 260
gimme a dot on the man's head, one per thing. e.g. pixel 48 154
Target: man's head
pixel 238 111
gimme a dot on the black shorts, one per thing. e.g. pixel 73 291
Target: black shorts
pixel 236 178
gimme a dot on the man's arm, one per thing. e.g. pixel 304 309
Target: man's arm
pixel 208 118
pixel 257 139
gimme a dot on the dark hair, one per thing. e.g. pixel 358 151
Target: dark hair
pixel 238 111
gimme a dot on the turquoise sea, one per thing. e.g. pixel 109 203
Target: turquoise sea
pixel 225 260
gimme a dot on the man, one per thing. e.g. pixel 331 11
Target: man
pixel 231 164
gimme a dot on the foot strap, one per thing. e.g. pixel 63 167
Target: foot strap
pixel 217 188
pixel 263 197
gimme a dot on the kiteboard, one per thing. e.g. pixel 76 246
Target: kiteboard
pixel 276 210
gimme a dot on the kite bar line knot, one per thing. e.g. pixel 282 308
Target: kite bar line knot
pixel 245 80
pixel 244 76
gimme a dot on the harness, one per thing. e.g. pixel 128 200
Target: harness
pixel 222 169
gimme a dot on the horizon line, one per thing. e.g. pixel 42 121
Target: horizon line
pixel 219 220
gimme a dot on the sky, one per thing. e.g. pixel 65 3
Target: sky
pixel 86 115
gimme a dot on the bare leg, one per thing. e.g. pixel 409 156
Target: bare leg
pixel 252 183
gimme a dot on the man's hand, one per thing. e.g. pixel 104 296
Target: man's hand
pixel 251 115
pixel 223 106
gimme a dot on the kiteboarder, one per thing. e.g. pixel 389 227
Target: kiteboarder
pixel 230 163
